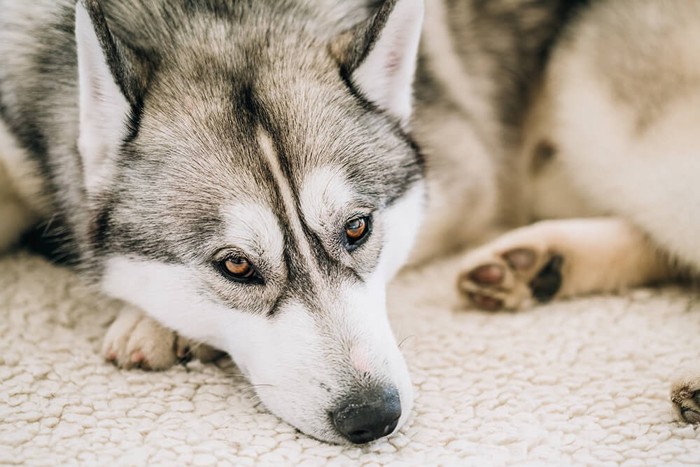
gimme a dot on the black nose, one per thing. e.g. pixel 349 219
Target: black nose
pixel 368 415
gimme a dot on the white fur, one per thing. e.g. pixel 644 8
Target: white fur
pixel 168 293
pixel 254 229
pixel 103 108
pixel 325 193
pixel 402 227
pixel 386 75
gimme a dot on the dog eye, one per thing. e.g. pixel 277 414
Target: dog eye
pixel 239 269
pixel 356 231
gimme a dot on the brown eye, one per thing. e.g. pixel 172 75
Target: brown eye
pixel 356 231
pixel 239 269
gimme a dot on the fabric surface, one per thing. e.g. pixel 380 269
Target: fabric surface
pixel 584 381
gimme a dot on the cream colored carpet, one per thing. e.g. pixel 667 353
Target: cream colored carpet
pixel 578 382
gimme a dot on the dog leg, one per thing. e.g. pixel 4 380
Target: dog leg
pixel 136 341
pixel 557 259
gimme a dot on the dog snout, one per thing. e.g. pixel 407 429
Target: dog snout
pixel 368 414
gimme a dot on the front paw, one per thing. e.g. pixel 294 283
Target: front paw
pixel 685 397
pixel 510 276
pixel 136 341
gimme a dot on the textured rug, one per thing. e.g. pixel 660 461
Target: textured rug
pixel 583 381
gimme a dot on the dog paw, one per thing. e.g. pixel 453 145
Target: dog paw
pixel 685 397
pixel 510 277
pixel 137 341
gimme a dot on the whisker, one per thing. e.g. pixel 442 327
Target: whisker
pixel 47 225
pixel 405 339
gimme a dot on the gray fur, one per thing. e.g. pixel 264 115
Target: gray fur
pixel 245 68
pixel 507 46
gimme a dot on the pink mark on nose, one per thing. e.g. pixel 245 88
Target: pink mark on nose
pixel 360 360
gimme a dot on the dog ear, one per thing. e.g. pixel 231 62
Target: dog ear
pixel 111 82
pixel 379 56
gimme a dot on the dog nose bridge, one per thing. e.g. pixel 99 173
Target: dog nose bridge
pixel 319 286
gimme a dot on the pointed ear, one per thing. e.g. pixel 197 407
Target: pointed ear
pixel 110 80
pixel 380 56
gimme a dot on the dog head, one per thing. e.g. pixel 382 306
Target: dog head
pixel 254 187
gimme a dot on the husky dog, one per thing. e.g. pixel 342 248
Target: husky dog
pixel 245 174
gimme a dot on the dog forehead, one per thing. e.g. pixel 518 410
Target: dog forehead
pixel 330 147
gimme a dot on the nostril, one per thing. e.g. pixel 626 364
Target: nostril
pixel 368 415
pixel 360 434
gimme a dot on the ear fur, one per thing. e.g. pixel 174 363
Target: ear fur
pixel 109 90
pixel 381 55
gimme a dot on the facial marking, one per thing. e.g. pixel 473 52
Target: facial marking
pixel 325 192
pixel 289 201
pixel 254 228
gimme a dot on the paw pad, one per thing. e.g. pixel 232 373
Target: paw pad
pixel 488 274
pixel 521 259
pixel 547 282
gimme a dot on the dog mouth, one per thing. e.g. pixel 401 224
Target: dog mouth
pixel 357 416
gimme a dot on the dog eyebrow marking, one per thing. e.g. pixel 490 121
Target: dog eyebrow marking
pixel 254 227
pixel 324 193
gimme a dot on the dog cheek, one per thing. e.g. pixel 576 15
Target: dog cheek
pixel 402 225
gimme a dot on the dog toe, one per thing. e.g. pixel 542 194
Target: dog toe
pixel 136 341
pixel 488 274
